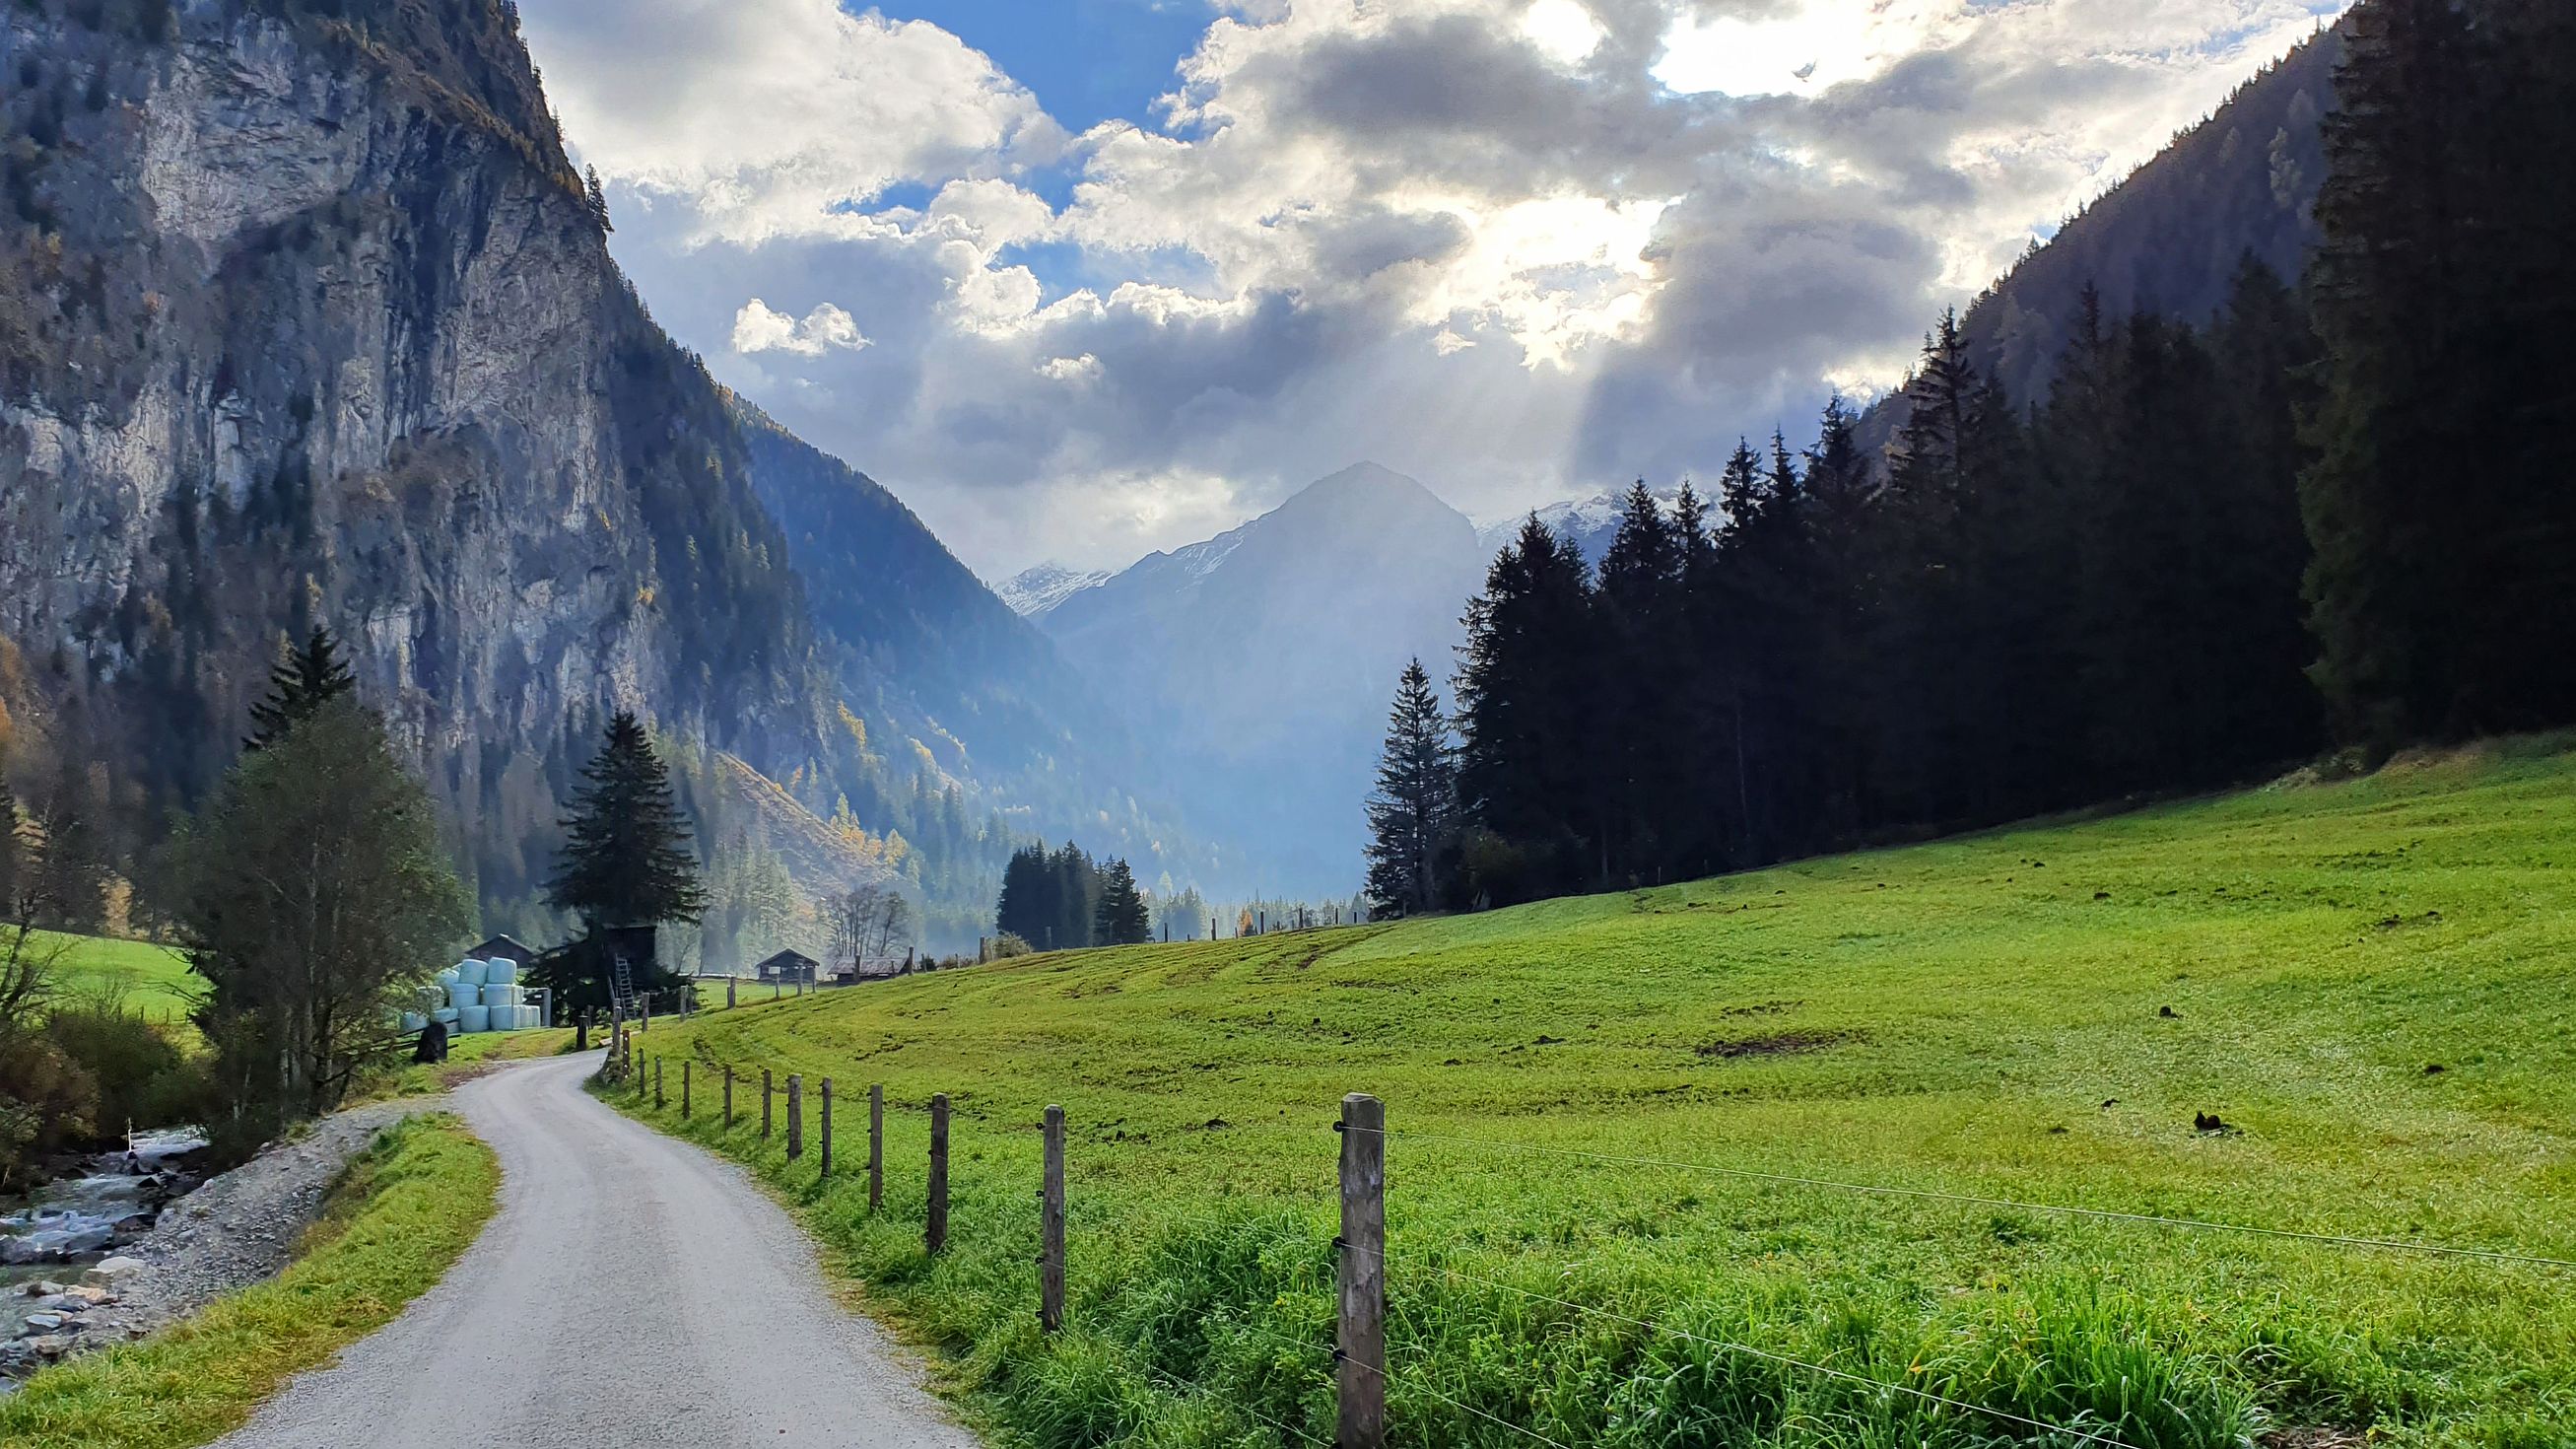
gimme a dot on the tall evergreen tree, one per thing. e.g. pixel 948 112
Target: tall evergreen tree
pixel 2439 591
pixel 1120 918
pixel 298 687
pixel 1527 694
pixel 626 859
pixel 1638 610
pixel 1412 815
pixel 1026 908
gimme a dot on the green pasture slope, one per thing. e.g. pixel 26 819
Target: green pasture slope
pixel 145 977
pixel 2369 982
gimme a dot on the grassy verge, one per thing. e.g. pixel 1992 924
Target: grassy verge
pixel 2368 982
pixel 468 1057
pixel 409 1205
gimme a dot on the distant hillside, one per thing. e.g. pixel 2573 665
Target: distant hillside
pixel 1257 666
pixel 2168 239
pixel 947 680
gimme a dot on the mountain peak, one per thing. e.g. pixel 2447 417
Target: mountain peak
pixel 1034 591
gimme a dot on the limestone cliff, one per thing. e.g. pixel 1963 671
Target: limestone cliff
pixel 305 316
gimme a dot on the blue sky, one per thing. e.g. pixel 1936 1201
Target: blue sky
pixel 1522 250
pixel 1087 60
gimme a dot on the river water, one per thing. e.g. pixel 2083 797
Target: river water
pixel 74 1221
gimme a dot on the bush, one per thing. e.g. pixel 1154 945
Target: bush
pixel 1009 944
pixel 138 1077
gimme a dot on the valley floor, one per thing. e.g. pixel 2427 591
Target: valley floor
pixel 2368 984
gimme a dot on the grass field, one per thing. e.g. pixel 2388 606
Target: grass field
pixel 407 1208
pixel 145 977
pixel 2371 982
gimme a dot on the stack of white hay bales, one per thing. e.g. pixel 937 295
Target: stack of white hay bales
pixel 476 996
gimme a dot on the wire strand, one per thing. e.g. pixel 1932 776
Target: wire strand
pixel 1971 1199
pixel 1786 1360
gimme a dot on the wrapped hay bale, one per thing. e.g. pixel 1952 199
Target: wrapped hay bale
pixel 463 994
pixel 474 1018
pixel 500 973
pixel 472 970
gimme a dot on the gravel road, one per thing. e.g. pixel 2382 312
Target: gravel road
pixel 633 1291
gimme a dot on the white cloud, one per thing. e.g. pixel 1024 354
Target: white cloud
pixel 1563 29
pixel 769 116
pixel 760 328
pixel 1562 197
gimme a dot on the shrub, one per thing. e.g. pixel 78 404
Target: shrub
pixel 138 1077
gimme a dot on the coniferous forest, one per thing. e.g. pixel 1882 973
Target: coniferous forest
pixel 2334 516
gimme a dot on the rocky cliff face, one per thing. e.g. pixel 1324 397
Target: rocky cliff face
pixel 305 317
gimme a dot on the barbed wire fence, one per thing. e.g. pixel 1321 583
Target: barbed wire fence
pixel 1355 1366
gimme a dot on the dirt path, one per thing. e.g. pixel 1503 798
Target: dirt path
pixel 632 1290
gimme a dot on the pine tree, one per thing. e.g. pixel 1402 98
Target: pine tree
pixel 1120 919
pixel 597 198
pixel 298 687
pixel 1528 705
pixel 625 859
pixel 2395 501
pixel 1638 610
pixel 1412 816
pixel 1025 909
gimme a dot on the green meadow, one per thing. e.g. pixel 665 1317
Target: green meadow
pixel 2368 983
pixel 139 975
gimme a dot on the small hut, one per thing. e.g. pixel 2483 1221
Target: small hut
pixel 789 968
pixel 505 948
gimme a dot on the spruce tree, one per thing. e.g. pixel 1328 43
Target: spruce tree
pixel 1120 919
pixel 1412 815
pixel 1024 909
pixel 1530 712
pixel 2394 498
pixel 1638 610
pixel 298 687
pixel 626 859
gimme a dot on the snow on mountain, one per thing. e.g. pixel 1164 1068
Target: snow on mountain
pixel 1034 592
pixel 1592 521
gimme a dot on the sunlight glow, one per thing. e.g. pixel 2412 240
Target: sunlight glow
pixel 1812 45
pixel 1563 29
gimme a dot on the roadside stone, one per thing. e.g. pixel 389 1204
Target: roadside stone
pixel 111 1269
pixel 44 1322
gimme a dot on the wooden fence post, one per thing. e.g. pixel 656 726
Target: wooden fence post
pixel 827 1126
pixel 728 1105
pixel 659 1101
pixel 876 1147
pixel 764 1104
pixel 938 1230
pixel 729 1001
pixel 795 1115
pixel 1359 1358
pixel 1051 1227
pixel 685 1064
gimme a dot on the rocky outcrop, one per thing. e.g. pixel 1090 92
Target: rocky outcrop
pixel 305 317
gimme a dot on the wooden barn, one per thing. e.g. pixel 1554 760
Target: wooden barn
pixel 789 968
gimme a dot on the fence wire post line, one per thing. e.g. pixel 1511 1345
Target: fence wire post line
pixel 1359 1353
pixel 1864 1380
pixel 1926 1194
